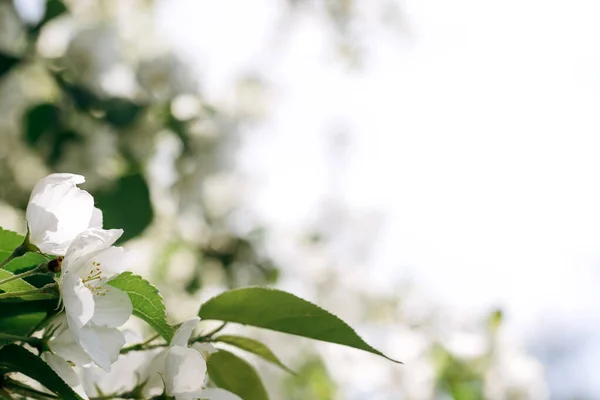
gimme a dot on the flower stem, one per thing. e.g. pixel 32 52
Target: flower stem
pixel 142 347
pixel 205 337
pixel 40 269
pixel 48 289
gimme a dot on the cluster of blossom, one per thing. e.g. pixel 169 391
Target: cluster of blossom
pixel 63 222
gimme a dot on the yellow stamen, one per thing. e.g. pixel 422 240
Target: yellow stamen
pixel 94 279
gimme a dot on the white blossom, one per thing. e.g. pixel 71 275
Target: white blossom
pixel 124 373
pixel 58 211
pixel 183 369
pixel 65 354
pixel 94 309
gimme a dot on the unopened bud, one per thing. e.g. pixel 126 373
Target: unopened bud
pixel 56 264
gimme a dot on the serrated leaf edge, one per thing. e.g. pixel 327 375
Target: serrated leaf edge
pixel 145 316
pixel 371 348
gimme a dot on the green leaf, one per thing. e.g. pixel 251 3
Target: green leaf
pixel 19 325
pixel 283 312
pixel 252 346
pixel 16 285
pixel 230 372
pixel 127 205
pixel 20 318
pixel 16 359
pixel 147 302
pixel 8 242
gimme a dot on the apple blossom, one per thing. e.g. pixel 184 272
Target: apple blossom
pixel 206 349
pixel 123 375
pixel 182 370
pixel 94 309
pixel 58 211
pixel 65 354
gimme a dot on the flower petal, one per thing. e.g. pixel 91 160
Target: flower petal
pixel 110 261
pixel 113 308
pixel 102 344
pixel 96 220
pixel 153 375
pixel 189 396
pixel 78 301
pixel 61 367
pixel 57 212
pixel 183 334
pixel 85 246
pixel 64 344
pixel 80 391
pixel 218 394
pixel 206 349
pixel 40 223
pixel 185 372
pixel 124 374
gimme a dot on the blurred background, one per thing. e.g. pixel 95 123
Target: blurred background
pixel 427 170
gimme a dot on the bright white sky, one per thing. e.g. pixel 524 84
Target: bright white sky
pixel 477 136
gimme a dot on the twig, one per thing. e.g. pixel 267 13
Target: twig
pixel 40 269
pixel 142 347
pixel 203 338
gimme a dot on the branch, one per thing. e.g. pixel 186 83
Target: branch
pixel 206 337
pixel 40 269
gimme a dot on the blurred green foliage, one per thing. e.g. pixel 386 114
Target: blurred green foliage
pixel 112 139
pixel 312 381
pixel 150 166
pixel 462 379
pixel 127 205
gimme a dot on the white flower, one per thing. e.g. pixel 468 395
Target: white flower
pixel 58 211
pixel 65 354
pixel 183 369
pixel 206 349
pixel 124 373
pixel 94 309
pixel 63 343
